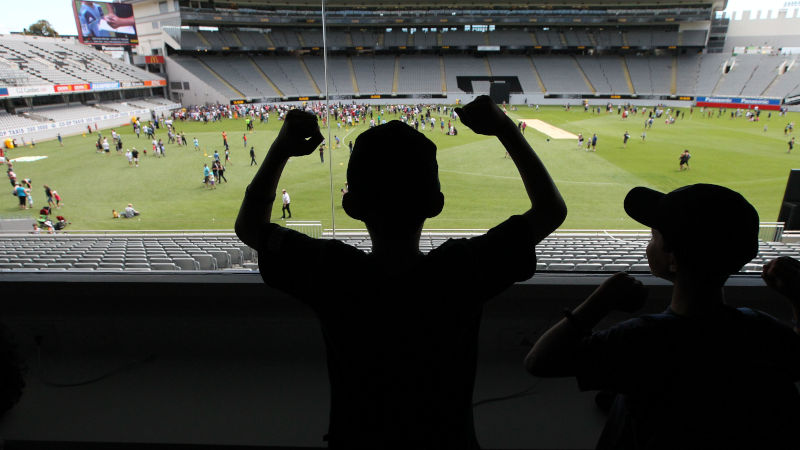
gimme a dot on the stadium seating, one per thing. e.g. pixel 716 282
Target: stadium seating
pixel 787 83
pixel 374 73
pixel 463 65
pixel 214 252
pixel 650 74
pixel 510 38
pixel 510 65
pixel 709 72
pixel 287 74
pixel 364 38
pixel 339 81
pixel 63 61
pixel 418 74
pixel 741 71
pixel 236 76
pixel 605 73
pixel 9 121
pixel 560 74
pixel 687 74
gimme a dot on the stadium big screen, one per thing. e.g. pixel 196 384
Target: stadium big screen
pixel 102 23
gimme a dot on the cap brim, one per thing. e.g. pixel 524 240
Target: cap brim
pixel 643 204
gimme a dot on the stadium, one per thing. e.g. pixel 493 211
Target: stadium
pixel 156 330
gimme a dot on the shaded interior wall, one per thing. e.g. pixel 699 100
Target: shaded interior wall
pixel 222 359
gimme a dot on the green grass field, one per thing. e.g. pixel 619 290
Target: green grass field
pixel 481 187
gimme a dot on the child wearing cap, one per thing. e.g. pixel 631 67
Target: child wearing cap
pixel 400 326
pixel 701 374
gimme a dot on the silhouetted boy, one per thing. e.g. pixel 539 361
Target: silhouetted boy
pixel 400 327
pixel 700 375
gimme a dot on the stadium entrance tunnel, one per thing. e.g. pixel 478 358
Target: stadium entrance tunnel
pixel 509 85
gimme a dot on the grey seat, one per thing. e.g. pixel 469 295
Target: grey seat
pixel 237 256
pixel 747 268
pixel 163 266
pixel 616 267
pixel 161 260
pixel 561 266
pixel 206 261
pixel 640 267
pixel 589 267
pixel 85 265
pixel 248 254
pixel 186 263
pixel 222 257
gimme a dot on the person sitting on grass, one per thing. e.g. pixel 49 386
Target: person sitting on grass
pixel 400 326
pixel 129 212
pixel 701 374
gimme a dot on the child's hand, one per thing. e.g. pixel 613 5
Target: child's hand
pixel 783 275
pixel 484 117
pixel 621 292
pixel 300 133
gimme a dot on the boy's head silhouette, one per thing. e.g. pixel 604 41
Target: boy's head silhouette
pixel 711 230
pixel 393 177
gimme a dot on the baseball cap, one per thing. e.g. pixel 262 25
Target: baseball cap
pixel 705 224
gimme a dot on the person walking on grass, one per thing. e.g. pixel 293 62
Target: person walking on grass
pixel 684 160
pixel 22 196
pixel 286 205
pixel 791 145
pixel 253 156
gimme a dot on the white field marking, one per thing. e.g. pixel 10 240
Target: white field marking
pixel 507 177
pixel 550 130
pixel 28 158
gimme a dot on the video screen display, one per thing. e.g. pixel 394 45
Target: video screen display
pixel 101 23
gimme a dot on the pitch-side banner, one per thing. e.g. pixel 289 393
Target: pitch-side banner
pixel 101 23
pixel 739 102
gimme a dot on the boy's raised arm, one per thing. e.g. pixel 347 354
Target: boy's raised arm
pixel 548 209
pixel 299 136
pixel 783 275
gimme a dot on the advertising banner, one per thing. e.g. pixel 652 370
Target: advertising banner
pixel 23 91
pixel 71 87
pixel 101 23
pixel 155 59
pixel 773 104
pixel 3 92
pixel 105 86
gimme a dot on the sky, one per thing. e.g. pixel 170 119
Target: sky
pixel 59 13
